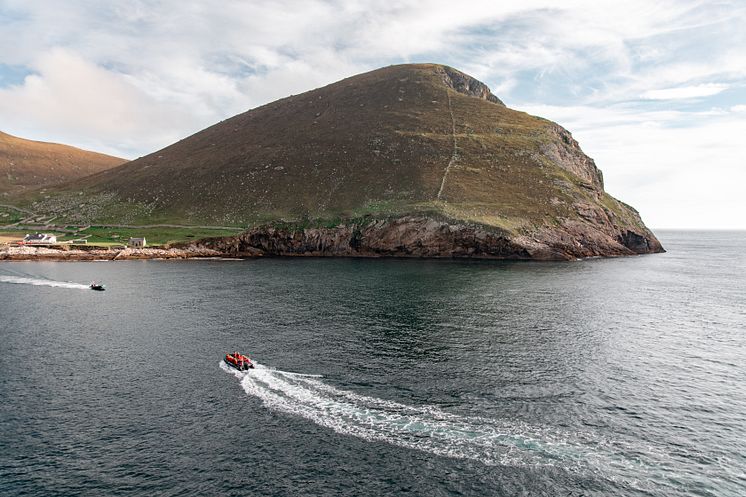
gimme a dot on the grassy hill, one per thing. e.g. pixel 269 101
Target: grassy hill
pixel 411 140
pixel 27 164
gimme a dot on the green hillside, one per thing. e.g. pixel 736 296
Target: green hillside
pixel 424 140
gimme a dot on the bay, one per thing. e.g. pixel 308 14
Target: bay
pixel 378 376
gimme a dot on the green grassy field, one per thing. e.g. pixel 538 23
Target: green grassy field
pixel 120 236
pixel 10 216
pixel 14 235
pixel 153 236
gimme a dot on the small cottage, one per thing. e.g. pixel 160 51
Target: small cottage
pixel 40 239
pixel 136 242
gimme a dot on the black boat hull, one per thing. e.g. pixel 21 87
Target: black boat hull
pixel 236 366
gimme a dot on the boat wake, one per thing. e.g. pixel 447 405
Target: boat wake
pixel 42 282
pixel 424 428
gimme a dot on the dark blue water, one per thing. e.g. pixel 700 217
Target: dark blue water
pixel 598 377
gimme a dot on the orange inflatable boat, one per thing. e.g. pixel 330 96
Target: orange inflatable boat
pixel 238 361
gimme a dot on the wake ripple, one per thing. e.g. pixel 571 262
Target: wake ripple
pixel 424 428
pixel 41 282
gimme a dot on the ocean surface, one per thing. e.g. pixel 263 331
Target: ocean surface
pixel 378 377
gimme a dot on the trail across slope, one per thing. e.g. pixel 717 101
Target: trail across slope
pixel 454 154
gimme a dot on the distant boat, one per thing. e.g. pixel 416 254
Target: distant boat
pixel 97 286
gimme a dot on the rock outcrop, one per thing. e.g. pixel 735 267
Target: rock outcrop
pixel 94 253
pixel 427 237
pixel 463 83
pixel 565 152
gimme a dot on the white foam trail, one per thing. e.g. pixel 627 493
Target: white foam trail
pixel 425 428
pixel 40 282
pixel 289 373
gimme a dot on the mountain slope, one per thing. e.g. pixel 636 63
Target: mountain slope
pixel 419 142
pixel 27 164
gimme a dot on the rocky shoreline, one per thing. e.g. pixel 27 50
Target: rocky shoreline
pixel 62 253
pixel 408 236
pixel 425 237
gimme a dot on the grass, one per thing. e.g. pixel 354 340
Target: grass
pixel 14 235
pixel 153 236
pixel 10 216
pixel 621 210
pixel 120 236
pixel 10 236
pixel 481 214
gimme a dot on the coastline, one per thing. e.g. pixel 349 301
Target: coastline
pixel 26 253
pixel 408 236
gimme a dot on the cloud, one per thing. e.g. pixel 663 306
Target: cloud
pixel 703 90
pixel 73 100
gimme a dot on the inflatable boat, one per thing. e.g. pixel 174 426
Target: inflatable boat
pixel 238 361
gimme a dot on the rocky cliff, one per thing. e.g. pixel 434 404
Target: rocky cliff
pixel 463 83
pixel 427 237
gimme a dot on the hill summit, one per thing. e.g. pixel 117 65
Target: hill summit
pixel 27 164
pixel 416 159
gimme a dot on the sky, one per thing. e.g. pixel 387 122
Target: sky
pixel 655 92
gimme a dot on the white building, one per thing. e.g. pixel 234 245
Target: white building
pixel 40 239
pixel 137 242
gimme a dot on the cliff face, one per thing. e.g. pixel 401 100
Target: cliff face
pixel 419 160
pixel 426 237
pixel 402 237
pixel 565 152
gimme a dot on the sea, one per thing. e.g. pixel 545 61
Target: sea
pixel 622 376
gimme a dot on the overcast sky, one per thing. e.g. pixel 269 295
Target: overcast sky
pixel 654 91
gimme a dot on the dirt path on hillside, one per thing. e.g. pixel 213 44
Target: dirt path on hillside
pixel 454 154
